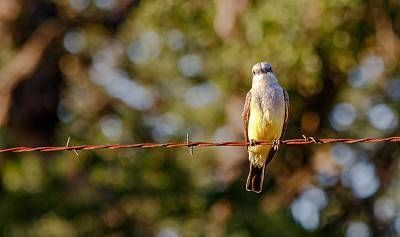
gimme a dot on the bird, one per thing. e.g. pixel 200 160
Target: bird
pixel 265 117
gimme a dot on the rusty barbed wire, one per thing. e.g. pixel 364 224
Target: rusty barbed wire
pixel 297 141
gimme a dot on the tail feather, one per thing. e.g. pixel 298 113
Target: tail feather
pixel 255 180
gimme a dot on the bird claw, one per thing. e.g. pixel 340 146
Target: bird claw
pixel 252 142
pixel 276 143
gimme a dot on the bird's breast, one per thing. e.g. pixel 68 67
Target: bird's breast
pixel 267 112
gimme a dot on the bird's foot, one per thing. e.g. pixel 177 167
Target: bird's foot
pixel 252 142
pixel 276 143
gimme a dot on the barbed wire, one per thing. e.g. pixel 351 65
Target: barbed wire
pixel 297 141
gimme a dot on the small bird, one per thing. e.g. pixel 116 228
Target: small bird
pixel 265 117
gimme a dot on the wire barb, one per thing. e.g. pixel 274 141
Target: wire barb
pixel 67 146
pixel 297 141
pixel 188 144
pixel 310 139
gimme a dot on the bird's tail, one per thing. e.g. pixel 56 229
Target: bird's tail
pixel 255 180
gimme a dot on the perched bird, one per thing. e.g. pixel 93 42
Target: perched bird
pixel 265 117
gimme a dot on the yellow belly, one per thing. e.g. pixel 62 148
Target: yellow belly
pixel 263 126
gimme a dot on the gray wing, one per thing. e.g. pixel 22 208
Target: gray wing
pixel 246 115
pixel 287 107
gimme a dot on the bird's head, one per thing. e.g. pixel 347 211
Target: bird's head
pixel 261 68
pixel 262 73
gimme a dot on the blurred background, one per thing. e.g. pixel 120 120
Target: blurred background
pixel 127 71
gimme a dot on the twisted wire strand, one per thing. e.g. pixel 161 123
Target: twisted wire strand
pixel 297 141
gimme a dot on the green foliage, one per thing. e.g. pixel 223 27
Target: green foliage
pixel 154 70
